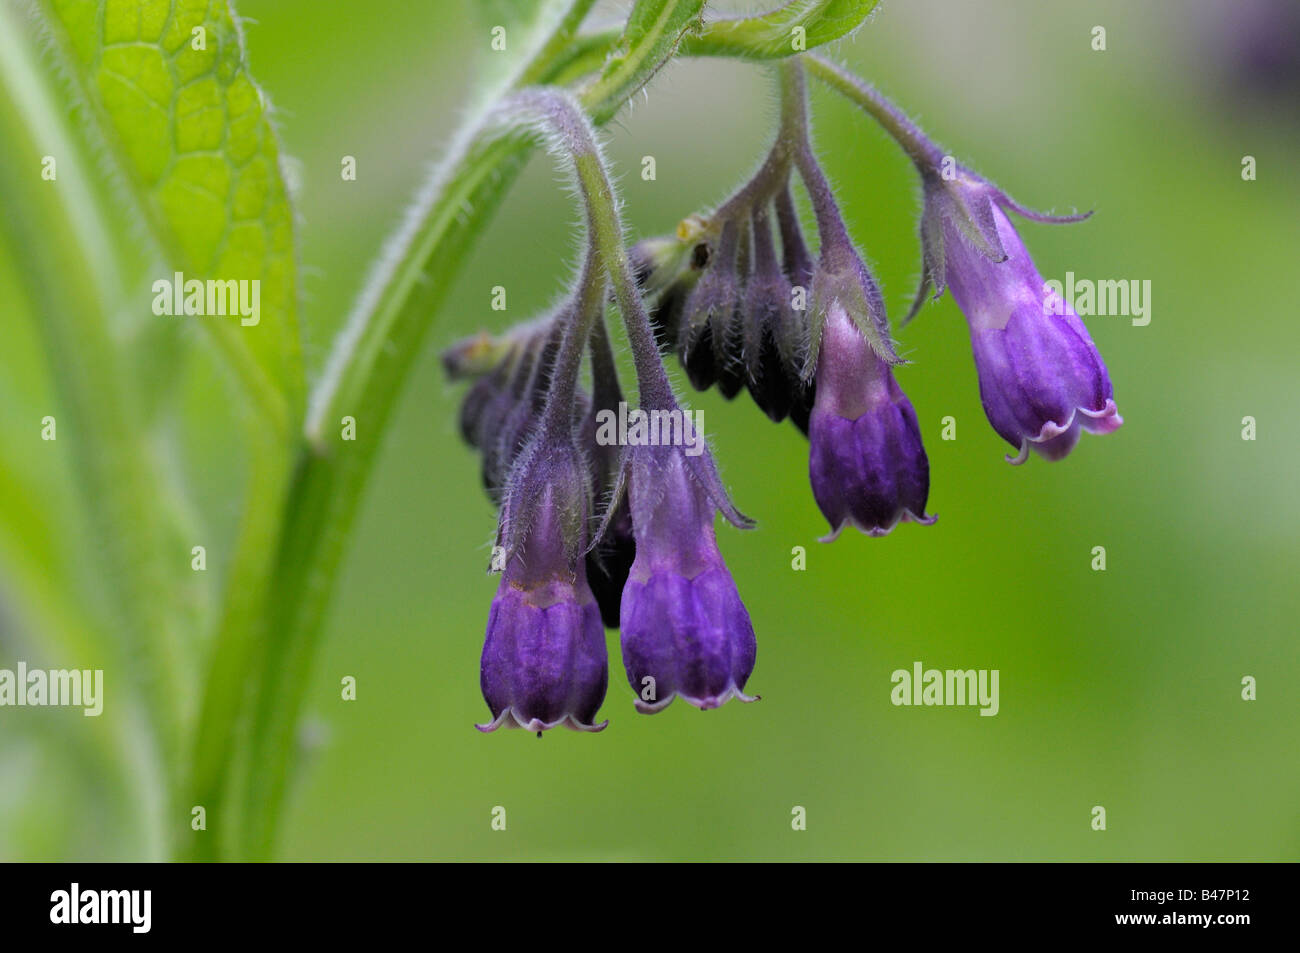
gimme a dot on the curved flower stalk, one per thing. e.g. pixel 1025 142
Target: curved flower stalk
pixel 1042 380
pixel 544 662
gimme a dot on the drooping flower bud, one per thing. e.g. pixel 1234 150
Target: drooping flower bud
pixel 544 661
pixel 484 404
pixel 710 341
pixel 866 462
pixel 1041 378
pixel 489 362
pixel 685 630
pixel 610 561
pixel 775 333
pixel 503 404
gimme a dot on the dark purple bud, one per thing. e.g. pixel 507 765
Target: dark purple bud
pixel 1041 378
pixel 511 377
pixel 710 341
pixel 667 268
pixel 666 314
pixel 867 464
pixel 610 561
pixel 801 408
pixel 483 406
pixel 529 383
pixel 775 333
pixel 490 363
pixel 685 630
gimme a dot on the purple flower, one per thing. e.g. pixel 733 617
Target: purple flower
pixel 866 461
pixel 1041 378
pixel 685 630
pixel 544 661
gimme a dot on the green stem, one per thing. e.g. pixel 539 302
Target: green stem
pixel 236 644
pixel 768 36
pixel 554 50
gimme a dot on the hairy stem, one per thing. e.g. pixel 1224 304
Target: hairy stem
pixel 586 311
pixel 239 632
pixel 560 116
pixel 906 133
pixel 794 121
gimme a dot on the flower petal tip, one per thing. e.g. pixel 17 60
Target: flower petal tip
pixel 877 532
pixel 1104 421
pixel 703 704
pixel 508 719
pixel 1099 422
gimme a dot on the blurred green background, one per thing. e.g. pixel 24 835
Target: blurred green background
pixel 1119 688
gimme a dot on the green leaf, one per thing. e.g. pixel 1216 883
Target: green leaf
pixel 189 132
pixel 651 38
pixel 185 137
pixel 792 28
pixel 766 37
pixel 63 255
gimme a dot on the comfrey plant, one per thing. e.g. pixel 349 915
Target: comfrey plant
pixel 142 120
pixel 741 301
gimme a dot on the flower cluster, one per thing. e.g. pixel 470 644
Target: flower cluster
pixel 651 567
pixel 591 532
